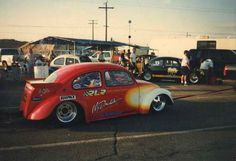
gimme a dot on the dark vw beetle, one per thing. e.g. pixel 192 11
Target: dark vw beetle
pixel 162 68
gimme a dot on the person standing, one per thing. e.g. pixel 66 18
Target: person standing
pixel 123 61
pixel 101 56
pixel 207 68
pixel 133 60
pixel 185 68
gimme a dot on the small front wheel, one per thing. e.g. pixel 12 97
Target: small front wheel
pixel 158 104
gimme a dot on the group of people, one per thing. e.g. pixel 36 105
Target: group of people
pixel 128 60
pixel 206 66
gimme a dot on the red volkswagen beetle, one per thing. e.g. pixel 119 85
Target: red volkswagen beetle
pixel 91 91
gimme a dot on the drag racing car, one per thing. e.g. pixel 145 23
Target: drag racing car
pixel 90 92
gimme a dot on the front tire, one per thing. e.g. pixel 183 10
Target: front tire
pixel 159 103
pixel 68 113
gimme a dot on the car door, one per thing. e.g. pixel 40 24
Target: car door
pixel 118 84
pixel 91 93
pixel 157 68
pixel 172 68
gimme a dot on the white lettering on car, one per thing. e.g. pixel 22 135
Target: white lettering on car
pixel 104 104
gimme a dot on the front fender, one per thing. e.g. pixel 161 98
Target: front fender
pixel 44 109
pixel 146 99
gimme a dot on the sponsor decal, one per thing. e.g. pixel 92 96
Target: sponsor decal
pixel 172 71
pixel 67 98
pixel 43 91
pixel 104 104
pixel 89 93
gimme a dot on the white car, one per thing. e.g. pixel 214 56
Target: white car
pixel 7 55
pixel 107 56
pixel 66 59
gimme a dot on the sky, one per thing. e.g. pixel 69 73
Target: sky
pixel 31 20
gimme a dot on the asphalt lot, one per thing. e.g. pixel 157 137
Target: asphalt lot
pixel 200 126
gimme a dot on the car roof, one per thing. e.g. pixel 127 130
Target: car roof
pixel 67 56
pixel 70 71
pixel 167 57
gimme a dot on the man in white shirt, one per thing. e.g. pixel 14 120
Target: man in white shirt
pixel 133 60
pixel 207 67
pixel 185 68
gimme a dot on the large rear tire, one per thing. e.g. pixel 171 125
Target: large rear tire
pixel 194 78
pixel 68 113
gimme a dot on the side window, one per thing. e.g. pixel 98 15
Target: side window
pixel 118 78
pixel 175 63
pixel 106 54
pixel 157 62
pixel 59 61
pixel 168 63
pixel 88 80
pixel 70 61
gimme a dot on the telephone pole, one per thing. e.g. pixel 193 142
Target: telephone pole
pixel 92 22
pixel 106 8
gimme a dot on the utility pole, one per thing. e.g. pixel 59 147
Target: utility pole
pixel 92 22
pixel 106 8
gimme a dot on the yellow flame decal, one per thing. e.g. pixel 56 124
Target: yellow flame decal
pixel 135 96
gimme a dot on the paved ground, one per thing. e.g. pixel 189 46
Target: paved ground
pixel 201 126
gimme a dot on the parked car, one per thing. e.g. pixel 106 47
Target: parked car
pixel 91 91
pixel 66 59
pixel 107 56
pixel 230 72
pixel 162 68
pixel 142 61
pixel 7 55
pixel 220 58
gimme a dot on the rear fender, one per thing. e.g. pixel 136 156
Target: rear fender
pixel 44 109
pixel 146 99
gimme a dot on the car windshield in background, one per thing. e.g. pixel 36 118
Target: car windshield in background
pixel 9 52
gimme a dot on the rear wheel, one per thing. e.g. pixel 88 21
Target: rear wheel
pixel 159 103
pixel 194 78
pixel 147 75
pixel 68 112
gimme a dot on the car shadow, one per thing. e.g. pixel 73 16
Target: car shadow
pixel 183 115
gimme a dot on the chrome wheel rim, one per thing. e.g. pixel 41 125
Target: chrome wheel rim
pixel 147 76
pixel 158 104
pixel 66 112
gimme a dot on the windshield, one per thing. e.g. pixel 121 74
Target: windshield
pixel 51 78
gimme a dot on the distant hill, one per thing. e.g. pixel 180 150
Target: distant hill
pixel 11 43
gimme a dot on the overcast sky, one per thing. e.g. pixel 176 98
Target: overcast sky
pixel 31 20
